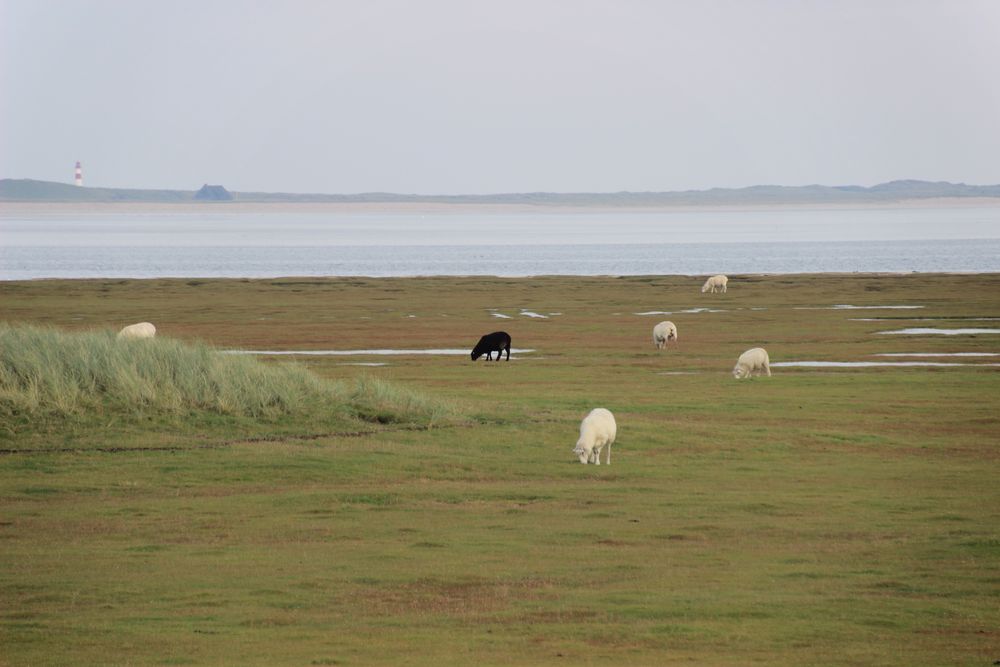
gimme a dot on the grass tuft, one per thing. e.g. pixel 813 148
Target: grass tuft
pixel 380 401
pixel 52 375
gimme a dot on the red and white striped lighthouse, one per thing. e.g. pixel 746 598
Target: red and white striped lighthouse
pixel 78 175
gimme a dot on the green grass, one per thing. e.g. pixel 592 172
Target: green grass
pixel 47 372
pixel 834 517
pixel 57 381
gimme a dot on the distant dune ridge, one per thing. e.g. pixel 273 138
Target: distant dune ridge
pixel 213 193
pixel 28 190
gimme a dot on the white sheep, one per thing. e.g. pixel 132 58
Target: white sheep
pixel 663 332
pixel 753 360
pixel 715 283
pixel 597 430
pixel 140 330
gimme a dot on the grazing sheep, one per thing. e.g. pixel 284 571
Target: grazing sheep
pixel 663 332
pixel 754 360
pixel 140 330
pixel 715 283
pixel 597 430
pixel 498 341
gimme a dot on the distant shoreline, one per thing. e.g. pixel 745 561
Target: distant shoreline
pixel 29 190
pixel 36 207
pixel 478 277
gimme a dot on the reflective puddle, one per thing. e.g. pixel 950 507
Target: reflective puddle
pixel 523 311
pixel 953 320
pixel 866 364
pixel 938 354
pixel 357 353
pixel 677 312
pixel 847 306
pixel 917 331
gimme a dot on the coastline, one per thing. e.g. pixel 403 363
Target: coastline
pixel 204 280
pixel 416 208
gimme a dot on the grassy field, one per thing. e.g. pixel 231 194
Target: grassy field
pixel 817 517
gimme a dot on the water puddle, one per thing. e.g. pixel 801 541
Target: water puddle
pixel 867 364
pixel 847 306
pixel 918 331
pixel 502 316
pixel 678 312
pixel 355 353
pixel 924 319
pixel 937 354
pixel 364 363
pixel 528 313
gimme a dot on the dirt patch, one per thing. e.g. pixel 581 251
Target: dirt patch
pixel 450 597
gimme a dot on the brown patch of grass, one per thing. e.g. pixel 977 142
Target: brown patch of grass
pixel 461 598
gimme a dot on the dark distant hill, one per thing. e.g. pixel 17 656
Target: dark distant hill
pixel 213 193
pixel 26 190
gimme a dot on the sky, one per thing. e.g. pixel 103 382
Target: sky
pixel 460 97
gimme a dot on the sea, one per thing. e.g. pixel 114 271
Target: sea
pixel 263 241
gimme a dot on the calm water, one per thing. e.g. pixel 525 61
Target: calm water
pixel 268 242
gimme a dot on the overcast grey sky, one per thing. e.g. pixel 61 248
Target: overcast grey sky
pixel 457 96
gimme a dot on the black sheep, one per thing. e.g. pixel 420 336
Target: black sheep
pixel 497 341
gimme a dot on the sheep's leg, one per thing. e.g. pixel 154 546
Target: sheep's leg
pixel 768 369
pixel 609 453
pixel 508 354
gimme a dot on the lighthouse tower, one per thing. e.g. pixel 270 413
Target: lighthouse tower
pixel 78 175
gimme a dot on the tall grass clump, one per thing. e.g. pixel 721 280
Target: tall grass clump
pixel 47 373
pixel 376 400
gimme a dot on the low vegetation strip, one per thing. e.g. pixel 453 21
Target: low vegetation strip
pixel 48 374
pixel 249 440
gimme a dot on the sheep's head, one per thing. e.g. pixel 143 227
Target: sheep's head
pixel 739 372
pixel 582 454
